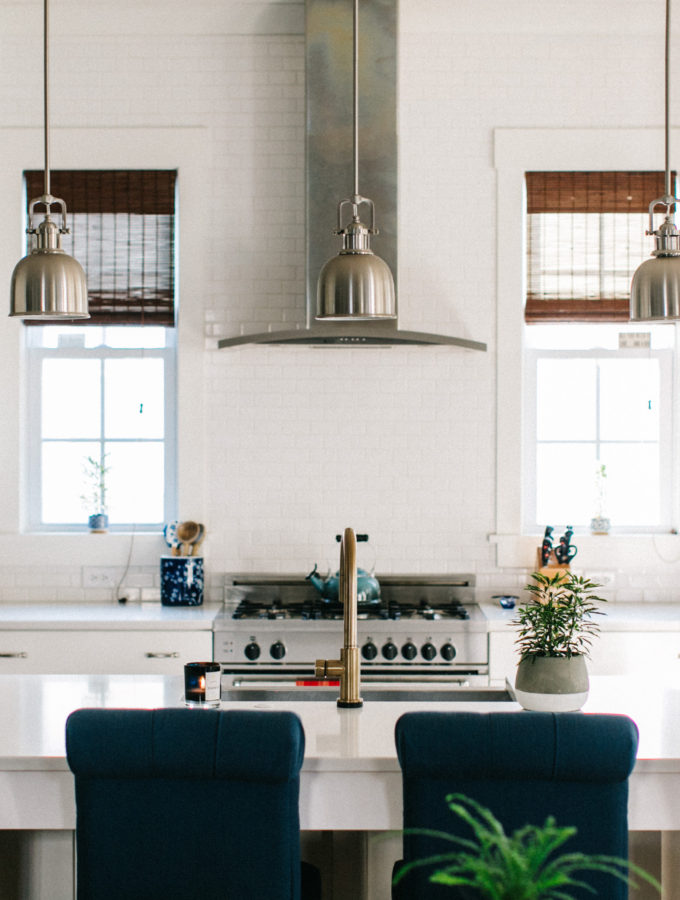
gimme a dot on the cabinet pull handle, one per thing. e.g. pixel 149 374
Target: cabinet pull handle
pixel 172 655
pixel 20 655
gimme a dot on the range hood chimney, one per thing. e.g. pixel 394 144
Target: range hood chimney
pixel 329 33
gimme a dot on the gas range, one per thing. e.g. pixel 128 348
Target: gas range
pixel 424 626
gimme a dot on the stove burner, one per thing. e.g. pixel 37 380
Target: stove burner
pixel 315 609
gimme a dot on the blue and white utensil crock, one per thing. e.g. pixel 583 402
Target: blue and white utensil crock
pixel 181 580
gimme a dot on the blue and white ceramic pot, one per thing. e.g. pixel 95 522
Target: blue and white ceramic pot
pixel 181 580
pixel 98 523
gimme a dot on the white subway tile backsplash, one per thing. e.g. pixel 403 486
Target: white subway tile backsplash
pixel 300 442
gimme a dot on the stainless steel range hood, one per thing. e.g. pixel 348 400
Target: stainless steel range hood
pixel 329 162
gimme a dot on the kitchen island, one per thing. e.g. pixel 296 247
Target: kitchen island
pixel 350 777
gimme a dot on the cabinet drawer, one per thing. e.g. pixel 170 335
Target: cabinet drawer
pixel 101 652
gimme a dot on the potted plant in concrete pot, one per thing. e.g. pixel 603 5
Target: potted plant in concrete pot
pixel 94 497
pixel 556 628
pixel 521 866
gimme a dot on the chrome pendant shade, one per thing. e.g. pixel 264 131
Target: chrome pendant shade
pixel 655 289
pixel 356 284
pixel 48 283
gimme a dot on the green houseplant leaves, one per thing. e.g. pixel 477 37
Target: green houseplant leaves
pixel 521 866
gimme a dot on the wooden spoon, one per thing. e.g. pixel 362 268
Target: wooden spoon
pixel 188 532
pixel 198 541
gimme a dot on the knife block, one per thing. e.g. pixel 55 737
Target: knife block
pixel 553 567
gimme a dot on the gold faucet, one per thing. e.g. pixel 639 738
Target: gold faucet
pixel 348 667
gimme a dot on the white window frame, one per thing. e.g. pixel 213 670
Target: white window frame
pixel 532 356
pixel 186 150
pixel 516 151
pixel 35 357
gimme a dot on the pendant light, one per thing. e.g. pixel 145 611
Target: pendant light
pixel 356 284
pixel 48 283
pixel 655 289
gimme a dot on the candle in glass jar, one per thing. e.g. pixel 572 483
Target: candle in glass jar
pixel 202 684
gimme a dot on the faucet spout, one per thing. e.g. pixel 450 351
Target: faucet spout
pixel 348 667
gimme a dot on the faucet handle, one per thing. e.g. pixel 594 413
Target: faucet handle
pixel 328 668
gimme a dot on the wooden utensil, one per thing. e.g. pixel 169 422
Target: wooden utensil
pixel 188 533
pixel 199 540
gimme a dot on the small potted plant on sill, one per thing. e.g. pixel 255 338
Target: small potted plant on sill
pixel 556 628
pixel 94 497
pixel 600 524
pixel 521 866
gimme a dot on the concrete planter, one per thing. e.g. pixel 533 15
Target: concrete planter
pixel 552 683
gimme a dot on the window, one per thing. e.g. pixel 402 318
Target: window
pixel 595 394
pixel 105 389
pixel 598 407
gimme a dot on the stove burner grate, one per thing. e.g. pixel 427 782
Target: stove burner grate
pixel 314 610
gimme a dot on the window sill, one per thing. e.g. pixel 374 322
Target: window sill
pixel 595 552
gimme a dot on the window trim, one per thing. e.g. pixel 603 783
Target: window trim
pixel 34 357
pixel 517 150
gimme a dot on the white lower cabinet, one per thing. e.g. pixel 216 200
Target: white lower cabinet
pixel 503 656
pixel 94 652
pixel 612 653
pixel 634 652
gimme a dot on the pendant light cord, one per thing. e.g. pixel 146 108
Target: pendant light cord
pixel 356 98
pixel 46 96
pixel 667 98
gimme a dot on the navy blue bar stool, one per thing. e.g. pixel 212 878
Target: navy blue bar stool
pixel 176 803
pixel 524 767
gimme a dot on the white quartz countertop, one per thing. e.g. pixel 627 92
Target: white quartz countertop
pixel 617 616
pixel 350 775
pixel 153 616
pixel 106 616
pixel 34 708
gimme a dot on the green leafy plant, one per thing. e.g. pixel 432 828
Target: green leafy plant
pixel 520 866
pixel 94 476
pixel 558 619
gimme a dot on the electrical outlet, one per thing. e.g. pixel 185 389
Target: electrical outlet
pixel 100 576
pixel 602 578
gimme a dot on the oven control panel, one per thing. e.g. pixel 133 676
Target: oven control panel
pixel 268 643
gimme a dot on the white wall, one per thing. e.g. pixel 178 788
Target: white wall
pixel 289 445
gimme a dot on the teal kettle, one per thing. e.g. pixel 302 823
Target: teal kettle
pixel 368 587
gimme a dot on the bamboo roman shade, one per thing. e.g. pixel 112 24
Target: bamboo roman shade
pixel 123 234
pixel 585 238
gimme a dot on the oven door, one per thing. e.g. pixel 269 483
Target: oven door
pixel 408 686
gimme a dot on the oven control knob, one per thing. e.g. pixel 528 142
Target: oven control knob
pixel 369 650
pixel 277 650
pixel 409 650
pixel 252 651
pixel 389 650
pixel 428 651
pixel 448 652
